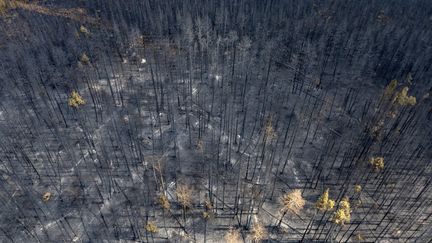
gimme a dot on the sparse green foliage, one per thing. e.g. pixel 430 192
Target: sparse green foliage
pixel 391 87
pixel 343 214
pixel 83 30
pixel 84 59
pixel 151 227
pixel 206 215
pixel 402 98
pixel 324 203
pixel 377 163
pixel 340 217
pixel 357 188
pixel 76 100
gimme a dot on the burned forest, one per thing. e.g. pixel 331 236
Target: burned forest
pixel 215 121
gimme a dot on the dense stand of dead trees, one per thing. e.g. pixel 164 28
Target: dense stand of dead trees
pixel 148 130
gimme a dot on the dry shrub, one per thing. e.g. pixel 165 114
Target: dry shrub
pixel 3 6
pixel 233 236
pixel 184 196
pixel 8 4
pixel 259 232
pixel 164 202
pixel 293 201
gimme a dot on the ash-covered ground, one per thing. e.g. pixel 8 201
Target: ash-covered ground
pixel 190 121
